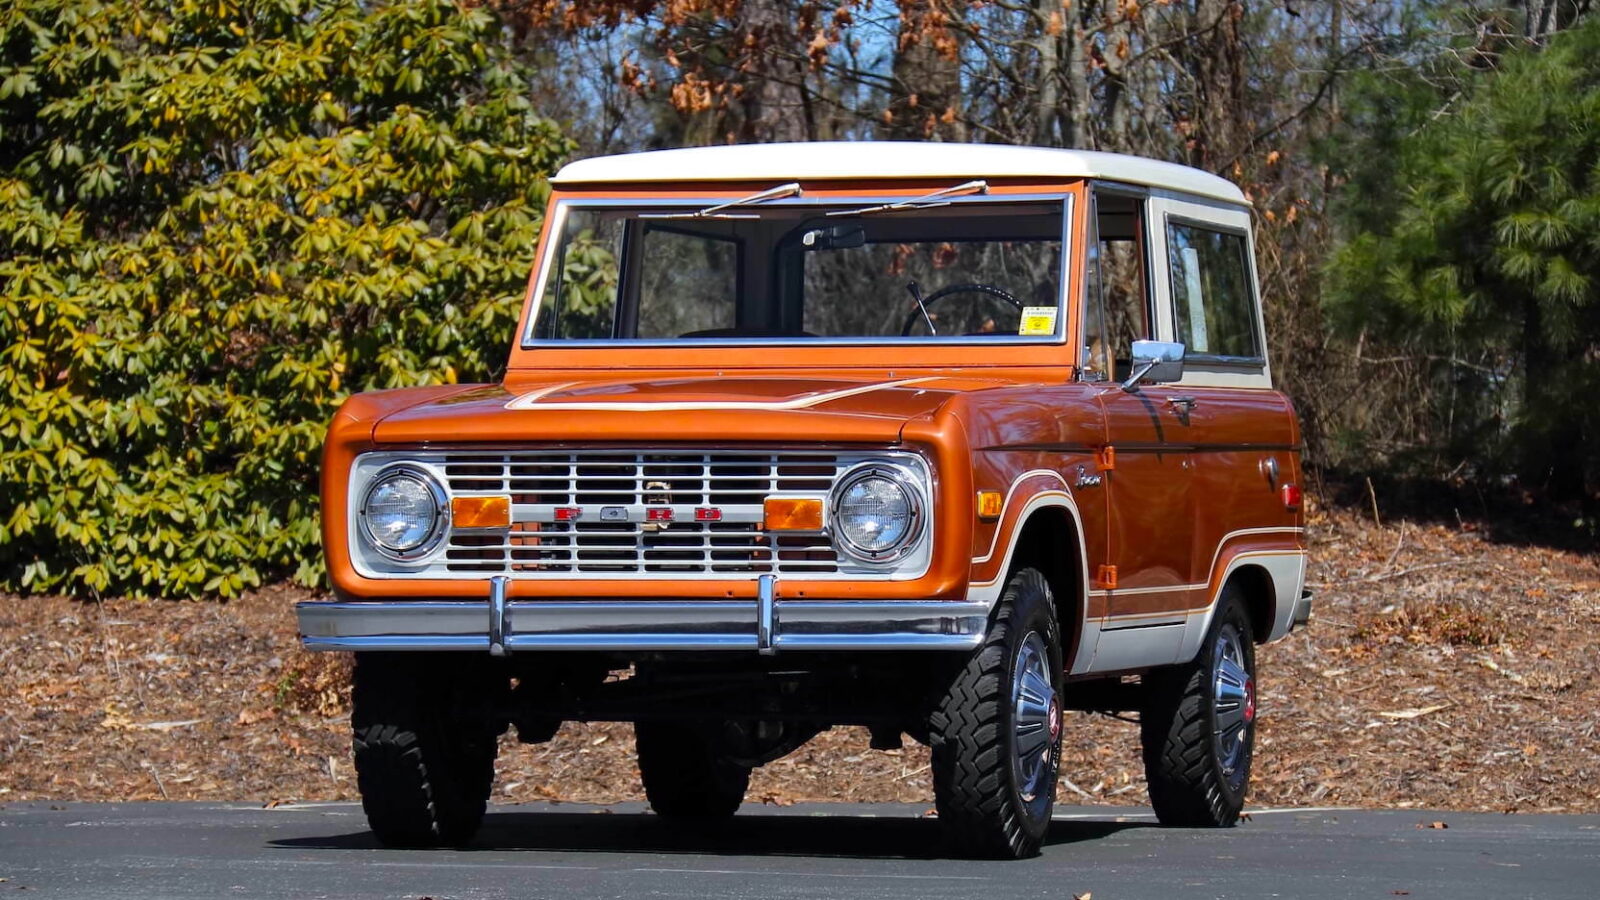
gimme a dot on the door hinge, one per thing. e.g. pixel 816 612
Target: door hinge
pixel 1105 458
pixel 1106 578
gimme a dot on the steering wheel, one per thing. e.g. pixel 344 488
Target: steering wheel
pixel 915 315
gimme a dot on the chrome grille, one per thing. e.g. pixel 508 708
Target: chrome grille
pixel 627 483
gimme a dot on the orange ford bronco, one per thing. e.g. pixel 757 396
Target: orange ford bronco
pixel 940 440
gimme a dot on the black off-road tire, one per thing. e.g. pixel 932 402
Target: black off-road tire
pixel 424 770
pixel 684 775
pixel 1191 783
pixel 983 808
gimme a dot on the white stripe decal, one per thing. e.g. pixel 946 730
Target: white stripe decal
pixel 536 400
pixel 1245 554
pixel 1178 614
pixel 1031 473
pixel 1123 592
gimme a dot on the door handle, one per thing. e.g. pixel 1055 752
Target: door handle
pixel 1186 403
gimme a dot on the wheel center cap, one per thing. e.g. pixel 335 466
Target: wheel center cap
pixel 1249 700
pixel 1054 719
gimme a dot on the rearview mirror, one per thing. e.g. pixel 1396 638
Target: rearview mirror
pixel 1157 362
pixel 834 237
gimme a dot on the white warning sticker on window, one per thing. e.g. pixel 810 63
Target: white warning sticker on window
pixel 1037 320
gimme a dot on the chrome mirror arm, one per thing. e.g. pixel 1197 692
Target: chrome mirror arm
pixel 1132 384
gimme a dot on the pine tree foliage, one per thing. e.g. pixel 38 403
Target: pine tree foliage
pixel 1477 237
pixel 217 219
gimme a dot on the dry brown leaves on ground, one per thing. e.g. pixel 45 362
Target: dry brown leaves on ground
pixel 1441 670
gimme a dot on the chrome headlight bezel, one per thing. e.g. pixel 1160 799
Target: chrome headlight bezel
pixel 909 486
pixel 441 508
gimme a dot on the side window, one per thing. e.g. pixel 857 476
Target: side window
pixel 688 284
pixel 1117 294
pixel 580 290
pixel 1213 307
pixel 687 281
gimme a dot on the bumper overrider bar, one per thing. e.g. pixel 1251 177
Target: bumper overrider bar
pixel 500 626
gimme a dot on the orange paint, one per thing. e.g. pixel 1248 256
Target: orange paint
pixel 1000 430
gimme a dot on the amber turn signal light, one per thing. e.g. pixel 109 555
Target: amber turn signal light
pixel 793 514
pixel 480 512
pixel 990 503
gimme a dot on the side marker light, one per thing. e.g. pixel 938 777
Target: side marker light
pixel 1291 496
pixel 990 505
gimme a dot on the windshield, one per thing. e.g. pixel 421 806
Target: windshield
pixel 966 269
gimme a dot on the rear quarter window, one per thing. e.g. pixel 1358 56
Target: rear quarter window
pixel 1213 302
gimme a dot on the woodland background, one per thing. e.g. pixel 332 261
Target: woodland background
pixel 219 218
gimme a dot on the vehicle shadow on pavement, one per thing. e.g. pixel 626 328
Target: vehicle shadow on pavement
pixel 864 837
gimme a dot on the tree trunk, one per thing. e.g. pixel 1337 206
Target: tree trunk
pixel 1075 123
pixel 1552 448
pixel 772 99
pixel 1217 64
pixel 1543 18
pixel 926 99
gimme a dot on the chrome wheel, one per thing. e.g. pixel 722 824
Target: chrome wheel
pixel 1036 720
pixel 995 734
pixel 1234 701
pixel 1198 724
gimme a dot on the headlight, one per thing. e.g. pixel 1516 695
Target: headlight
pixel 404 512
pixel 877 514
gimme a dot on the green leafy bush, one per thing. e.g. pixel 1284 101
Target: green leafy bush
pixel 216 220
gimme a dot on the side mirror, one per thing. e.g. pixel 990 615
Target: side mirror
pixel 834 237
pixel 1156 362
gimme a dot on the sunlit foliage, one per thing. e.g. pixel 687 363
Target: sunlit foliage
pixel 217 219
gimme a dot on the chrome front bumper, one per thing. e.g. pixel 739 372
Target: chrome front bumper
pixel 765 625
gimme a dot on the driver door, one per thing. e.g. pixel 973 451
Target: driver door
pixel 1142 590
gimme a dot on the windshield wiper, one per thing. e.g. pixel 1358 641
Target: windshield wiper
pixel 937 198
pixel 792 189
pixel 916 294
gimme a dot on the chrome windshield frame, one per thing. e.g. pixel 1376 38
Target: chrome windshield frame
pixel 536 297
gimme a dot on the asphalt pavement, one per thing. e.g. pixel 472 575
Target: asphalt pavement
pixel 850 852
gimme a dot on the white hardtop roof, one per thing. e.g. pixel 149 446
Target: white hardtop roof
pixel 890 159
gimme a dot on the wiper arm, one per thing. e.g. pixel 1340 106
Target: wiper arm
pixel 937 198
pixel 792 189
pixel 916 294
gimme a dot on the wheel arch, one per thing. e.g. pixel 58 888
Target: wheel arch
pixel 1049 540
pixel 1254 583
pixel 1268 581
pixel 1047 531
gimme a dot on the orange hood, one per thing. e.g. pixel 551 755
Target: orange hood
pixel 677 408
